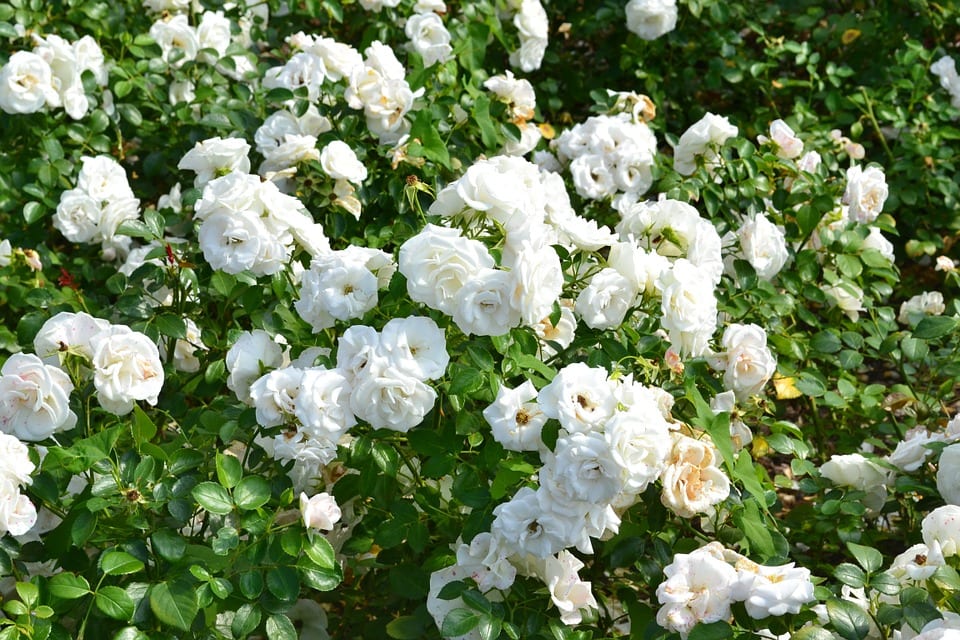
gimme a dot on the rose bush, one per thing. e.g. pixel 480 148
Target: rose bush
pixel 495 319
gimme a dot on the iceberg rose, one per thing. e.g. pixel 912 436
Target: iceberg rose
pixel 320 511
pixel 942 527
pixel 34 398
pixel 126 368
pixel 26 84
pixel 651 19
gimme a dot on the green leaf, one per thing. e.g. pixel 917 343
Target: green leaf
pixel 426 140
pixel 130 113
pixel 119 563
pixel 812 633
pixel 252 492
pixel 168 545
pixel 283 583
pixel 69 586
pixel 751 522
pixel 229 470
pixel 320 550
pixel 172 325
pixel 143 428
pixel 279 627
pixel 32 211
pixel 406 628
pixel 174 603
pixel 459 621
pixel 245 620
pixel 867 557
pixel 713 631
pixel 130 633
pixel 849 620
pixel 850 574
pixel 213 497
pixel 320 579
pixel 932 327
pixel 115 603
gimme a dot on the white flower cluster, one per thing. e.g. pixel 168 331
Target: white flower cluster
pixel 651 19
pixel 746 361
pixel 761 243
pixel 667 249
pixel 380 88
pixel 428 37
pixel 519 96
pixel 207 42
pixel 51 76
pixel 17 514
pixel 609 154
pixel 530 19
pixel 928 303
pixel 702 139
pixel 94 210
pixel 380 378
pixel 458 276
pixel 124 364
pixel 343 285
pixel 946 70
pixel 285 140
pixel 701 586
pixel 248 224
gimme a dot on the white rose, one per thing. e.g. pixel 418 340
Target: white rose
pixel 34 398
pixel 920 305
pixel 749 363
pixel 252 352
pixel 26 84
pixel 177 39
pixel 437 262
pixel 559 336
pixel 865 194
pixel 516 419
pixel 583 468
pixel 389 399
pixel 215 157
pixel 911 452
pixel 491 568
pixel 416 345
pixel 213 32
pixel 604 302
pixel 323 403
pixel 918 563
pixel 17 513
pixel 857 472
pixel 689 308
pixel 429 38
pixel 692 481
pixel 78 216
pixel 525 527
pixel 126 368
pixel 639 441
pixel 239 241
pixel 698 589
pixel 948 474
pixel 320 511
pixel 702 139
pixel 274 395
pixel 340 163
pixel 942 527
pixel 877 241
pixel 651 19
pixel 788 144
pixel 567 590
pixel 356 349
pixel 848 297
pixel 335 289
pixel 103 178
pixel 764 246
pixel 67 332
pixel 777 591
pixel 484 304
pixel 15 461
pixel 580 397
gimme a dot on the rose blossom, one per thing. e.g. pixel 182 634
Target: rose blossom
pixel 515 418
pixel 252 352
pixel 749 363
pixel 126 368
pixel 782 136
pixel 567 590
pixel 580 397
pixel 942 527
pixel 948 474
pixel 26 84
pixel 320 511
pixel 651 19
pixel 692 482
pixel 865 194
pixel 340 163
pixel 34 398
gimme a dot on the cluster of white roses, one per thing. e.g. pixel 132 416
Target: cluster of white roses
pixel 609 154
pixel 651 19
pixel 701 586
pixel 342 285
pixel 428 35
pixel 35 390
pixel 702 139
pixel 92 211
pixel 380 378
pixel 521 100
pixel 533 27
pixel 17 514
pixel 246 223
pixel 207 42
pixel 616 438
pixel 946 70
pixel 51 76
pixel 928 303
